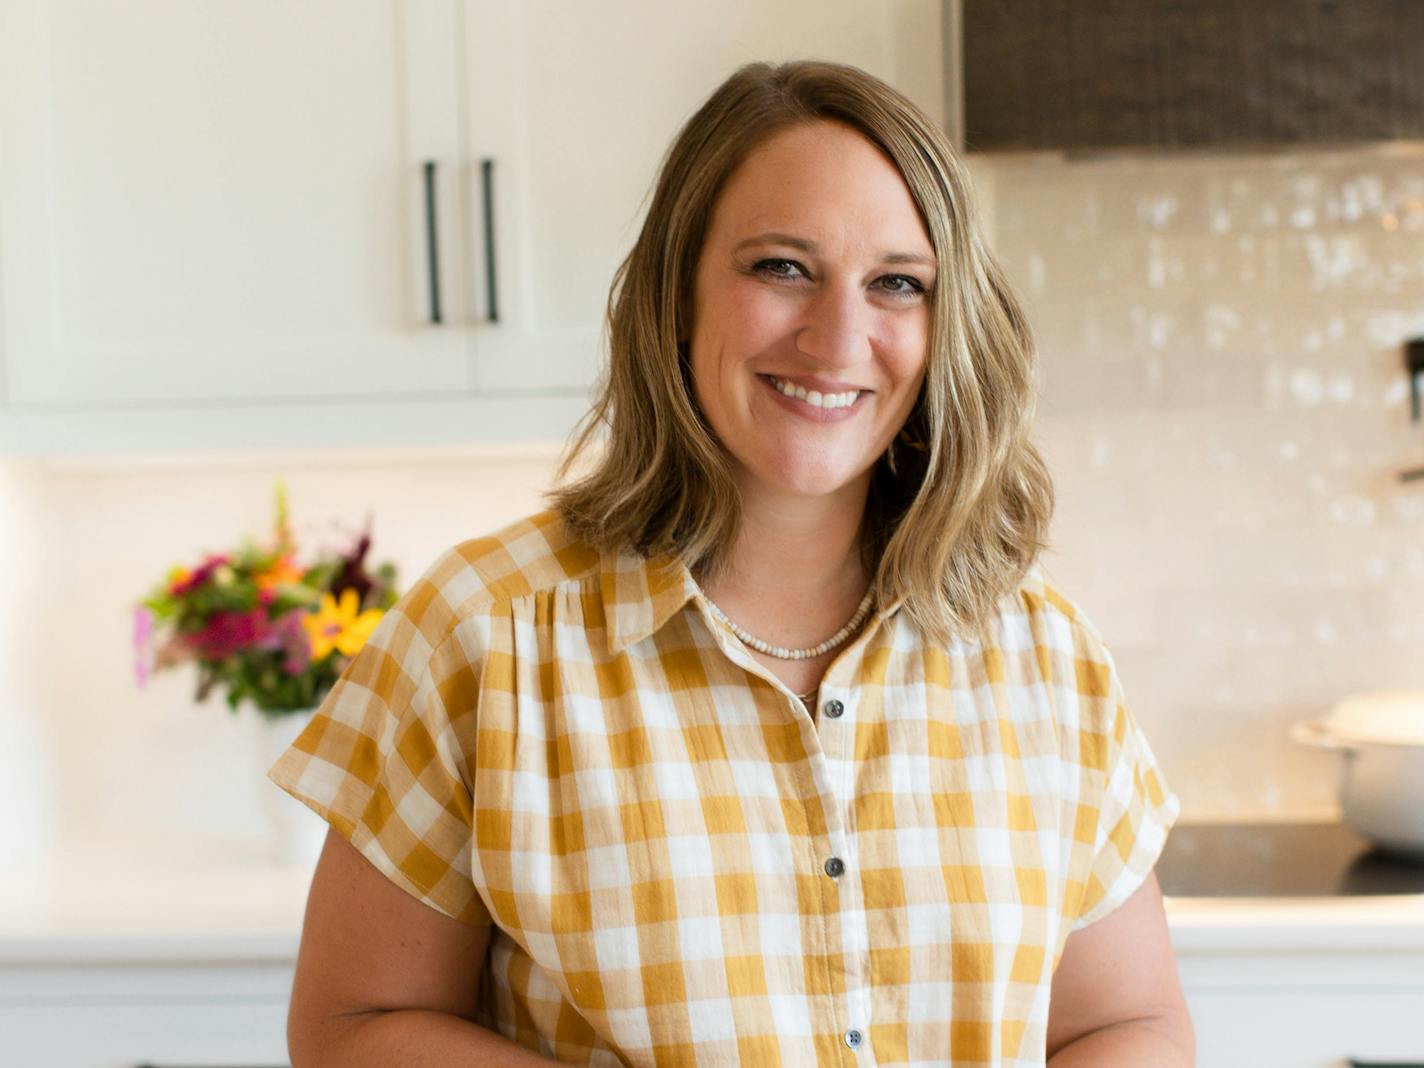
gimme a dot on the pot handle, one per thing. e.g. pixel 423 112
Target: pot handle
pixel 1316 734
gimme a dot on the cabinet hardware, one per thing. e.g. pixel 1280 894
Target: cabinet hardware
pixel 1414 367
pixel 431 249
pixel 487 190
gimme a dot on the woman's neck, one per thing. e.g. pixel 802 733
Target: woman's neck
pixel 798 549
pixel 794 577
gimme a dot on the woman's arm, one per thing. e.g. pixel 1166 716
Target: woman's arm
pixel 1116 1000
pixel 384 980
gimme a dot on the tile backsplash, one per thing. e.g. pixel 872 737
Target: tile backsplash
pixel 1225 409
pixel 1223 405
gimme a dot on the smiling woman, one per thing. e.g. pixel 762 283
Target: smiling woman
pixel 769 743
pixel 808 370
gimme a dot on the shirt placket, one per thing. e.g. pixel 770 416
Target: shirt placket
pixel 830 756
pixel 839 708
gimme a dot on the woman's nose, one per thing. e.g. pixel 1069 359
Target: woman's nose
pixel 836 329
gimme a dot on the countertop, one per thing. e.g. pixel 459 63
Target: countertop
pixel 228 900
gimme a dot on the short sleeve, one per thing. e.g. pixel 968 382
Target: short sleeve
pixel 381 762
pixel 1126 808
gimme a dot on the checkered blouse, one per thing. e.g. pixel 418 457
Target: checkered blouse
pixel 683 867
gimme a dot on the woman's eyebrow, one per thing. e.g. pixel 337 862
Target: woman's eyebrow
pixel 775 238
pixel 908 257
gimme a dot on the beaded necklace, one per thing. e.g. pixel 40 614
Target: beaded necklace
pixel 783 653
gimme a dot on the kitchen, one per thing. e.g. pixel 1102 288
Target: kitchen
pixel 1225 407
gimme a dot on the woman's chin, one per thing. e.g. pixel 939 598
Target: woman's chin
pixel 808 481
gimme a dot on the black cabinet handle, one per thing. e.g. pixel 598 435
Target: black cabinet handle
pixel 1385 1064
pixel 432 251
pixel 1414 366
pixel 491 286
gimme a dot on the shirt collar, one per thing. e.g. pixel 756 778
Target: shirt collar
pixel 641 594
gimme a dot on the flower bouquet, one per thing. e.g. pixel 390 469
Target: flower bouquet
pixel 261 626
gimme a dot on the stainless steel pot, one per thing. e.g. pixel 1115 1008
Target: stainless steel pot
pixel 1380 738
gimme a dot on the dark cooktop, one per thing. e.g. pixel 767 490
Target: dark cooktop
pixel 1281 860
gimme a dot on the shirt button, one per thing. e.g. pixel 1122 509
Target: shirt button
pixel 835 867
pixel 854 1038
pixel 833 709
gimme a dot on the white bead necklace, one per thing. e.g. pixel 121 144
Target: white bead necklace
pixel 781 652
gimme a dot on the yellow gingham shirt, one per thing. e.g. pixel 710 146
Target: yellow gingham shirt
pixel 682 866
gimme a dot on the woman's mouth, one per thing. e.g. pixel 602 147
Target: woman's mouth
pixel 816 406
pixel 828 401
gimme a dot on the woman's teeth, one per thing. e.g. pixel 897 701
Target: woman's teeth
pixel 812 397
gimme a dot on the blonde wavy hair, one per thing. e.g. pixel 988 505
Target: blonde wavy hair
pixel 958 508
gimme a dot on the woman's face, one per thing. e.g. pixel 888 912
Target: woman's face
pixel 811 314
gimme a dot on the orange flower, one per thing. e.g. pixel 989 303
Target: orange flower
pixel 282 573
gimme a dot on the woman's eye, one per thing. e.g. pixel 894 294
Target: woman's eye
pixel 774 268
pixel 902 285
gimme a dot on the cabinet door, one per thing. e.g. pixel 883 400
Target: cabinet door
pixel 207 201
pixel 123 1035
pixel 574 104
pixel 1247 1028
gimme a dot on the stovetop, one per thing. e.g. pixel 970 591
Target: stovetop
pixel 1281 860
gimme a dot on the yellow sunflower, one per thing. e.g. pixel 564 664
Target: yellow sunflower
pixel 339 626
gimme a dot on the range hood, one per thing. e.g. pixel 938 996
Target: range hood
pixel 1079 76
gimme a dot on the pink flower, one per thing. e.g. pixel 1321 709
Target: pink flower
pixel 288 634
pixel 228 632
pixel 142 634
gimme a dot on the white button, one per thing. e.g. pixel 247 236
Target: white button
pixel 854 1038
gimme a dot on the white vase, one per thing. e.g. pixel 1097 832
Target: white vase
pixel 297 832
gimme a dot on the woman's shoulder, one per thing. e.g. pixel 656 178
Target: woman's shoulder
pixel 1039 611
pixel 534 553
pixel 473 577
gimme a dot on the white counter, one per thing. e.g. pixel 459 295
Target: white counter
pixel 1305 923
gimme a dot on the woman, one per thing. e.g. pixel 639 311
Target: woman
pixel 769 744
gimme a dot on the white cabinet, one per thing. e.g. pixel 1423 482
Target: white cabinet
pixel 1323 1028
pixel 1287 985
pixel 125 1014
pixel 223 202
pixel 214 221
